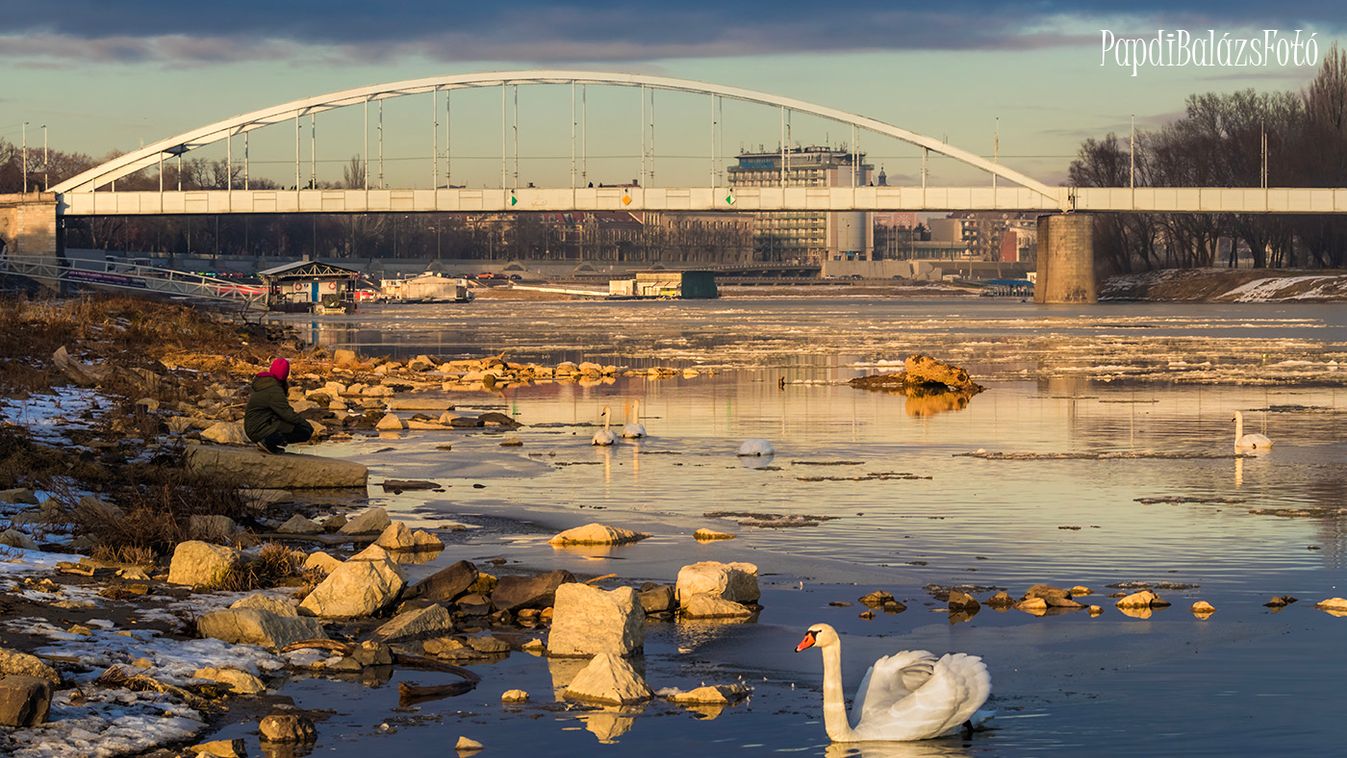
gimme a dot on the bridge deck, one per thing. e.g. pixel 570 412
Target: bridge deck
pixel 1105 199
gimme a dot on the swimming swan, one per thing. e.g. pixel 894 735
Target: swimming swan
pixel 910 695
pixel 1248 443
pixel 604 437
pixel 633 430
pixel 756 448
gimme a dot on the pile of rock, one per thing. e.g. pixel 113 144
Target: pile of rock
pixel 922 375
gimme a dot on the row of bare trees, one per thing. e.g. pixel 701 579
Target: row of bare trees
pixel 1219 142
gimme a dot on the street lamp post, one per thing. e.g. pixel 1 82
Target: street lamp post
pixel 45 167
pixel 24 141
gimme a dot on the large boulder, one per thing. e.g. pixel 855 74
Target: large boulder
pixel 731 581
pixel 270 603
pixel 238 681
pixel 372 521
pixel 24 700
pixel 611 680
pixel 300 524
pixel 587 621
pixel 355 588
pixel 225 433
pixel 254 626
pixel 1055 597
pixel 22 495
pixel 201 564
pixel 287 728
pixel 431 621
pixel 391 422
pixel 16 538
pixel 211 528
pixel 343 358
pixel 399 537
pixel 78 371
pixel 445 585
pixel 23 664
pixel 255 468
pixel 596 534
pixel 713 607
pixel 656 599
pixel 321 562
pixel 536 591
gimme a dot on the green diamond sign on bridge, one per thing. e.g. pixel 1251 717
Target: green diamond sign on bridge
pixel 729 199
pixel 514 199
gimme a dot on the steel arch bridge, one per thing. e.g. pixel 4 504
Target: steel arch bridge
pixel 94 191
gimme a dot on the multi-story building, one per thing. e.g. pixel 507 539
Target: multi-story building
pixel 807 236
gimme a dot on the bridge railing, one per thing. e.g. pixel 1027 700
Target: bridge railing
pixel 134 277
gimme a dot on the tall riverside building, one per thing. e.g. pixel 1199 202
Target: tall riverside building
pixel 807 236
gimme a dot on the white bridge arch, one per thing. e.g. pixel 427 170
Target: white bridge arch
pixel 1029 194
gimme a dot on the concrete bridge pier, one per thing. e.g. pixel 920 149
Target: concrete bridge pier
pixel 1066 259
pixel 28 227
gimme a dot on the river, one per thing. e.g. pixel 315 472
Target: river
pixel 1100 454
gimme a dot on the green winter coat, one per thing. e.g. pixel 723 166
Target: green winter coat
pixel 268 410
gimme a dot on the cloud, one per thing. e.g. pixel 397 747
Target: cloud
pixel 138 31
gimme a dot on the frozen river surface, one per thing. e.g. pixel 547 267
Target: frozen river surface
pixel 1098 455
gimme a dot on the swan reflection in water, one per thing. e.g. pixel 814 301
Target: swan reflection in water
pixel 942 748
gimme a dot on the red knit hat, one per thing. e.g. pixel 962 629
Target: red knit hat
pixel 280 370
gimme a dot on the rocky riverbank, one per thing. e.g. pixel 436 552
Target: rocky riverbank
pixel 1223 285
pixel 157 568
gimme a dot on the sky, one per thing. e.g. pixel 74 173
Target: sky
pixel 1022 80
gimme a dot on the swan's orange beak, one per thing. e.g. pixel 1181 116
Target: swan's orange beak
pixel 805 643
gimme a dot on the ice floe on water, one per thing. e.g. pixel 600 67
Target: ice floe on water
pixel 817 339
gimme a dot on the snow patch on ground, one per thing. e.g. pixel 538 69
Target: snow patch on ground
pixel 49 417
pixel 110 722
pixel 1274 289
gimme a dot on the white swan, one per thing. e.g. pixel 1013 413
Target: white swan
pixel 634 430
pixel 604 437
pixel 910 695
pixel 1248 443
pixel 756 448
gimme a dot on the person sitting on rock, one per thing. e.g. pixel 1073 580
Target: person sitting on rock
pixel 269 420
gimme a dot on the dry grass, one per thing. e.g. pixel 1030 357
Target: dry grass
pixel 125 332
pixel 154 508
pixel 275 563
pixel 24 463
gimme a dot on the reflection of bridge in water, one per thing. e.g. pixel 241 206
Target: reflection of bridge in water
pixel 1066 238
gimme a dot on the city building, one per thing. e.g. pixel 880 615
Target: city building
pixel 807 236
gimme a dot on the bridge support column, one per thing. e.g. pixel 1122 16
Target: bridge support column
pixel 28 227
pixel 1065 259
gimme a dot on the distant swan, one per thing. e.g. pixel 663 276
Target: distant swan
pixel 634 429
pixel 1248 443
pixel 910 695
pixel 756 448
pixel 604 437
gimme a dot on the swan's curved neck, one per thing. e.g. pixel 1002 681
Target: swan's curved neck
pixel 834 700
pixel 1239 426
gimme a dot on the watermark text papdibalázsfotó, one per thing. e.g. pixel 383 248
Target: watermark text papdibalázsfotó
pixel 1179 47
